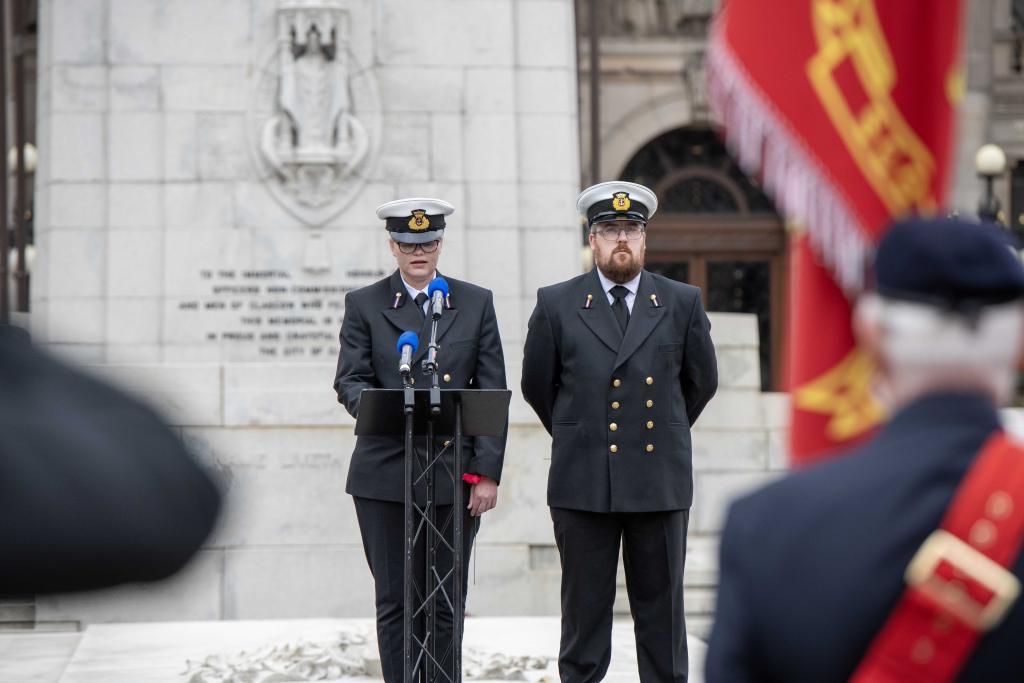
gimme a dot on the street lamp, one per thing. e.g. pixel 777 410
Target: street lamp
pixel 990 162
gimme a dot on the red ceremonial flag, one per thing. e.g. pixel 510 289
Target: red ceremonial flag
pixel 845 110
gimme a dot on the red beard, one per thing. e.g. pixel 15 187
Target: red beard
pixel 618 271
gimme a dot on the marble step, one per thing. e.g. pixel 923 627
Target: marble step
pixel 17 614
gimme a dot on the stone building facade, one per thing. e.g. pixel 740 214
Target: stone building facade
pixel 204 198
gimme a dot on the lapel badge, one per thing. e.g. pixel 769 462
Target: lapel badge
pixel 398 299
pixel 448 301
pixel 620 201
pixel 654 300
pixel 590 301
pixel 419 221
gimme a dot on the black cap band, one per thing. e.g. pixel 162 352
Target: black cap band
pixel 605 210
pixel 405 223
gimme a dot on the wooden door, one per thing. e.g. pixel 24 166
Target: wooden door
pixel 739 265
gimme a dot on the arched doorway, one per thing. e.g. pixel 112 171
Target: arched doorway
pixel 717 230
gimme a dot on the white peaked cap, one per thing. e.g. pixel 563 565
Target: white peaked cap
pixel 597 200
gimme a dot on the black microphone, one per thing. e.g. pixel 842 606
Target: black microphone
pixel 407 345
pixel 438 290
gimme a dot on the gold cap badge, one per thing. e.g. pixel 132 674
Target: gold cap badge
pixel 620 201
pixel 419 220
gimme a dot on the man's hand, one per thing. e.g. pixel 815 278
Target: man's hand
pixel 482 496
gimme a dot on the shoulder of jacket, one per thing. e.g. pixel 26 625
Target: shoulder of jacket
pixel 465 288
pixel 369 292
pixel 559 288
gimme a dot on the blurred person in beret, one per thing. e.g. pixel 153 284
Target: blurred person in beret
pixel 900 560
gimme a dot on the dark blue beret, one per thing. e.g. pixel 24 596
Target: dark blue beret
pixel 950 263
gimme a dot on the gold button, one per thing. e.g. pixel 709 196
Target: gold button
pixel 923 651
pixel 999 505
pixel 615 405
pixel 616 382
pixel 650 448
pixel 447 377
pixel 983 533
pixel 650 403
pixel 614 448
pixel 650 380
pixel 650 424
pixel 613 427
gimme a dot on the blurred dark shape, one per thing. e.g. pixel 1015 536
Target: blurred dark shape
pixel 95 490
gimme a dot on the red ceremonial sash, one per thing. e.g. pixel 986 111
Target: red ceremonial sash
pixel 958 586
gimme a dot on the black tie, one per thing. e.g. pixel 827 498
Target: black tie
pixel 619 307
pixel 421 299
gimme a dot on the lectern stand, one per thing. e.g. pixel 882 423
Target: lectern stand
pixel 407 412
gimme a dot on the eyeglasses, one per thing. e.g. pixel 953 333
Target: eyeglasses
pixel 611 232
pixel 426 247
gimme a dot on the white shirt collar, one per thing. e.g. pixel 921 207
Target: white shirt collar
pixel 412 290
pixel 633 285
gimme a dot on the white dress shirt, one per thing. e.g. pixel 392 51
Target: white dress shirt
pixel 633 285
pixel 413 291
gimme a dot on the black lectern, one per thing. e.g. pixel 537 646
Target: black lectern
pixel 412 413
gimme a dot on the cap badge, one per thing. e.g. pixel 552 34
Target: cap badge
pixel 620 201
pixel 419 220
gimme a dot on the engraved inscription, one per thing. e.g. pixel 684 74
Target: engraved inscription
pixel 266 314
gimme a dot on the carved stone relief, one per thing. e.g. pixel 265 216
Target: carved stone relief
pixel 695 83
pixel 315 118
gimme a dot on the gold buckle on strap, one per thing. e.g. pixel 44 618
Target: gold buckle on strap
pixel 952 595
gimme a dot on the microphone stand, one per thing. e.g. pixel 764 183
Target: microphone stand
pixel 430 588
pixel 407 393
pixel 430 368
pixel 409 399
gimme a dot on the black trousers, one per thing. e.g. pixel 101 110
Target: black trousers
pixel 654 552
pixel 382 527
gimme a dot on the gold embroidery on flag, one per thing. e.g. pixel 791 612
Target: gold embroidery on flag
pixel 844 392
pixel 894 160
pixel 955 85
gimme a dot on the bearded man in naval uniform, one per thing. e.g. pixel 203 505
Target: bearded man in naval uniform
pixel 618 366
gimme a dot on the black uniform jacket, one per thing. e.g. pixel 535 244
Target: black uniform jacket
pixel 95 489
pixel 470 358
pixel 812 565
pixel 619 408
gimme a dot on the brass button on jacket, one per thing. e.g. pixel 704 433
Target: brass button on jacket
pixel 650 380
pixel 615 405
pixel 616 383
pixel 614 448
pixel 650 424
pixel 650 403
pixel 447 377
pixel 650 448
pixel 613 426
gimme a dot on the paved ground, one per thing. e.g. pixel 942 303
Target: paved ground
pixel 144 653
